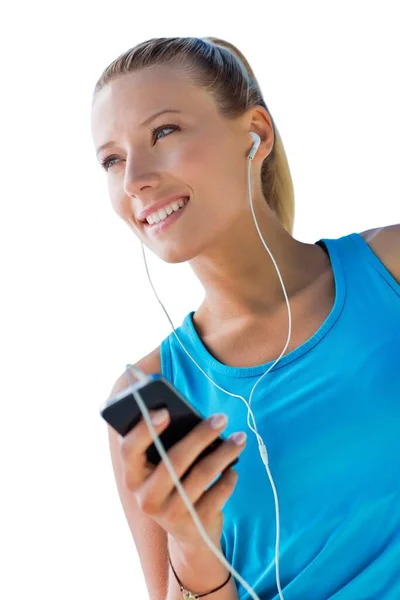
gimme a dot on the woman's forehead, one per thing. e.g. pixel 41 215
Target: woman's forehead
pixel 135 97
pixel 145 88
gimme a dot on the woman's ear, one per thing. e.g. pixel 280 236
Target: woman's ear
pixel 261 124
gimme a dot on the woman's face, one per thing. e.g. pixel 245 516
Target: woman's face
pixel 194 153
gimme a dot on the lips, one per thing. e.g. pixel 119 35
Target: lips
pixel 170 217
pixel 159 205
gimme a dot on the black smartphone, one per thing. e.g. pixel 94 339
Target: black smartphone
pixel 123 413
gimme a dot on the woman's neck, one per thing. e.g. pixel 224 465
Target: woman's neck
pixel 239 276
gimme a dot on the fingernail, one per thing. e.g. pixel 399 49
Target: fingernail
pixel 218 421
pixel 239 438
pixel 232 475
pixel 159 416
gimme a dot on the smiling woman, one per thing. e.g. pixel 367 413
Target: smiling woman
pixel 171 120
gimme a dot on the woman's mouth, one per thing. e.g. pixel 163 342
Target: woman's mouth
pixel 167 216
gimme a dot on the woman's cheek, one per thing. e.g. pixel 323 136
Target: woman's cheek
pixel 122 205
pixel 179 157
pixel 190 160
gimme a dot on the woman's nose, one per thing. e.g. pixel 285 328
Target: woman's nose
pixel 138 176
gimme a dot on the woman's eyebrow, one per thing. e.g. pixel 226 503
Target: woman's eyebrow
pixel 157 114
pixel 145 122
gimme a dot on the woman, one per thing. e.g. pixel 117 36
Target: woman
pixel 329 412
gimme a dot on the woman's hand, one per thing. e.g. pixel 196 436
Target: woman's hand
pixel 155 491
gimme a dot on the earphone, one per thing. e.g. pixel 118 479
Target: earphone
pixel 262 448
pixel 255 146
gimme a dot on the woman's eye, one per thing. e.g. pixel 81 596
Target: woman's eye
pixel 163 128
pixel 106 162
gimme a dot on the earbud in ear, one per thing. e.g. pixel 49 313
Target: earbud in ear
pixel 256 143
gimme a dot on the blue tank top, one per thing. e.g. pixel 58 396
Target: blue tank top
pixel 329 414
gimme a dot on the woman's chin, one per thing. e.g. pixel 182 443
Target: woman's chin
pixel 176 255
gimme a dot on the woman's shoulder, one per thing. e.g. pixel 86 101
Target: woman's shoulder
pixel 385 243
pixel 150 363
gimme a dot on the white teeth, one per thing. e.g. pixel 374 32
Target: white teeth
pixel 164 213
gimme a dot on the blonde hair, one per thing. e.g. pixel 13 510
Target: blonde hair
pixel 220 68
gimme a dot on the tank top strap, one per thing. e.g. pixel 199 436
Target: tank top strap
pixel 362 268
pixel 365 252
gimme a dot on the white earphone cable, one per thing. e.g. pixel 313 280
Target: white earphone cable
pixel 261 445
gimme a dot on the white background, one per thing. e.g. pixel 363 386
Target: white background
pixel 76 303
